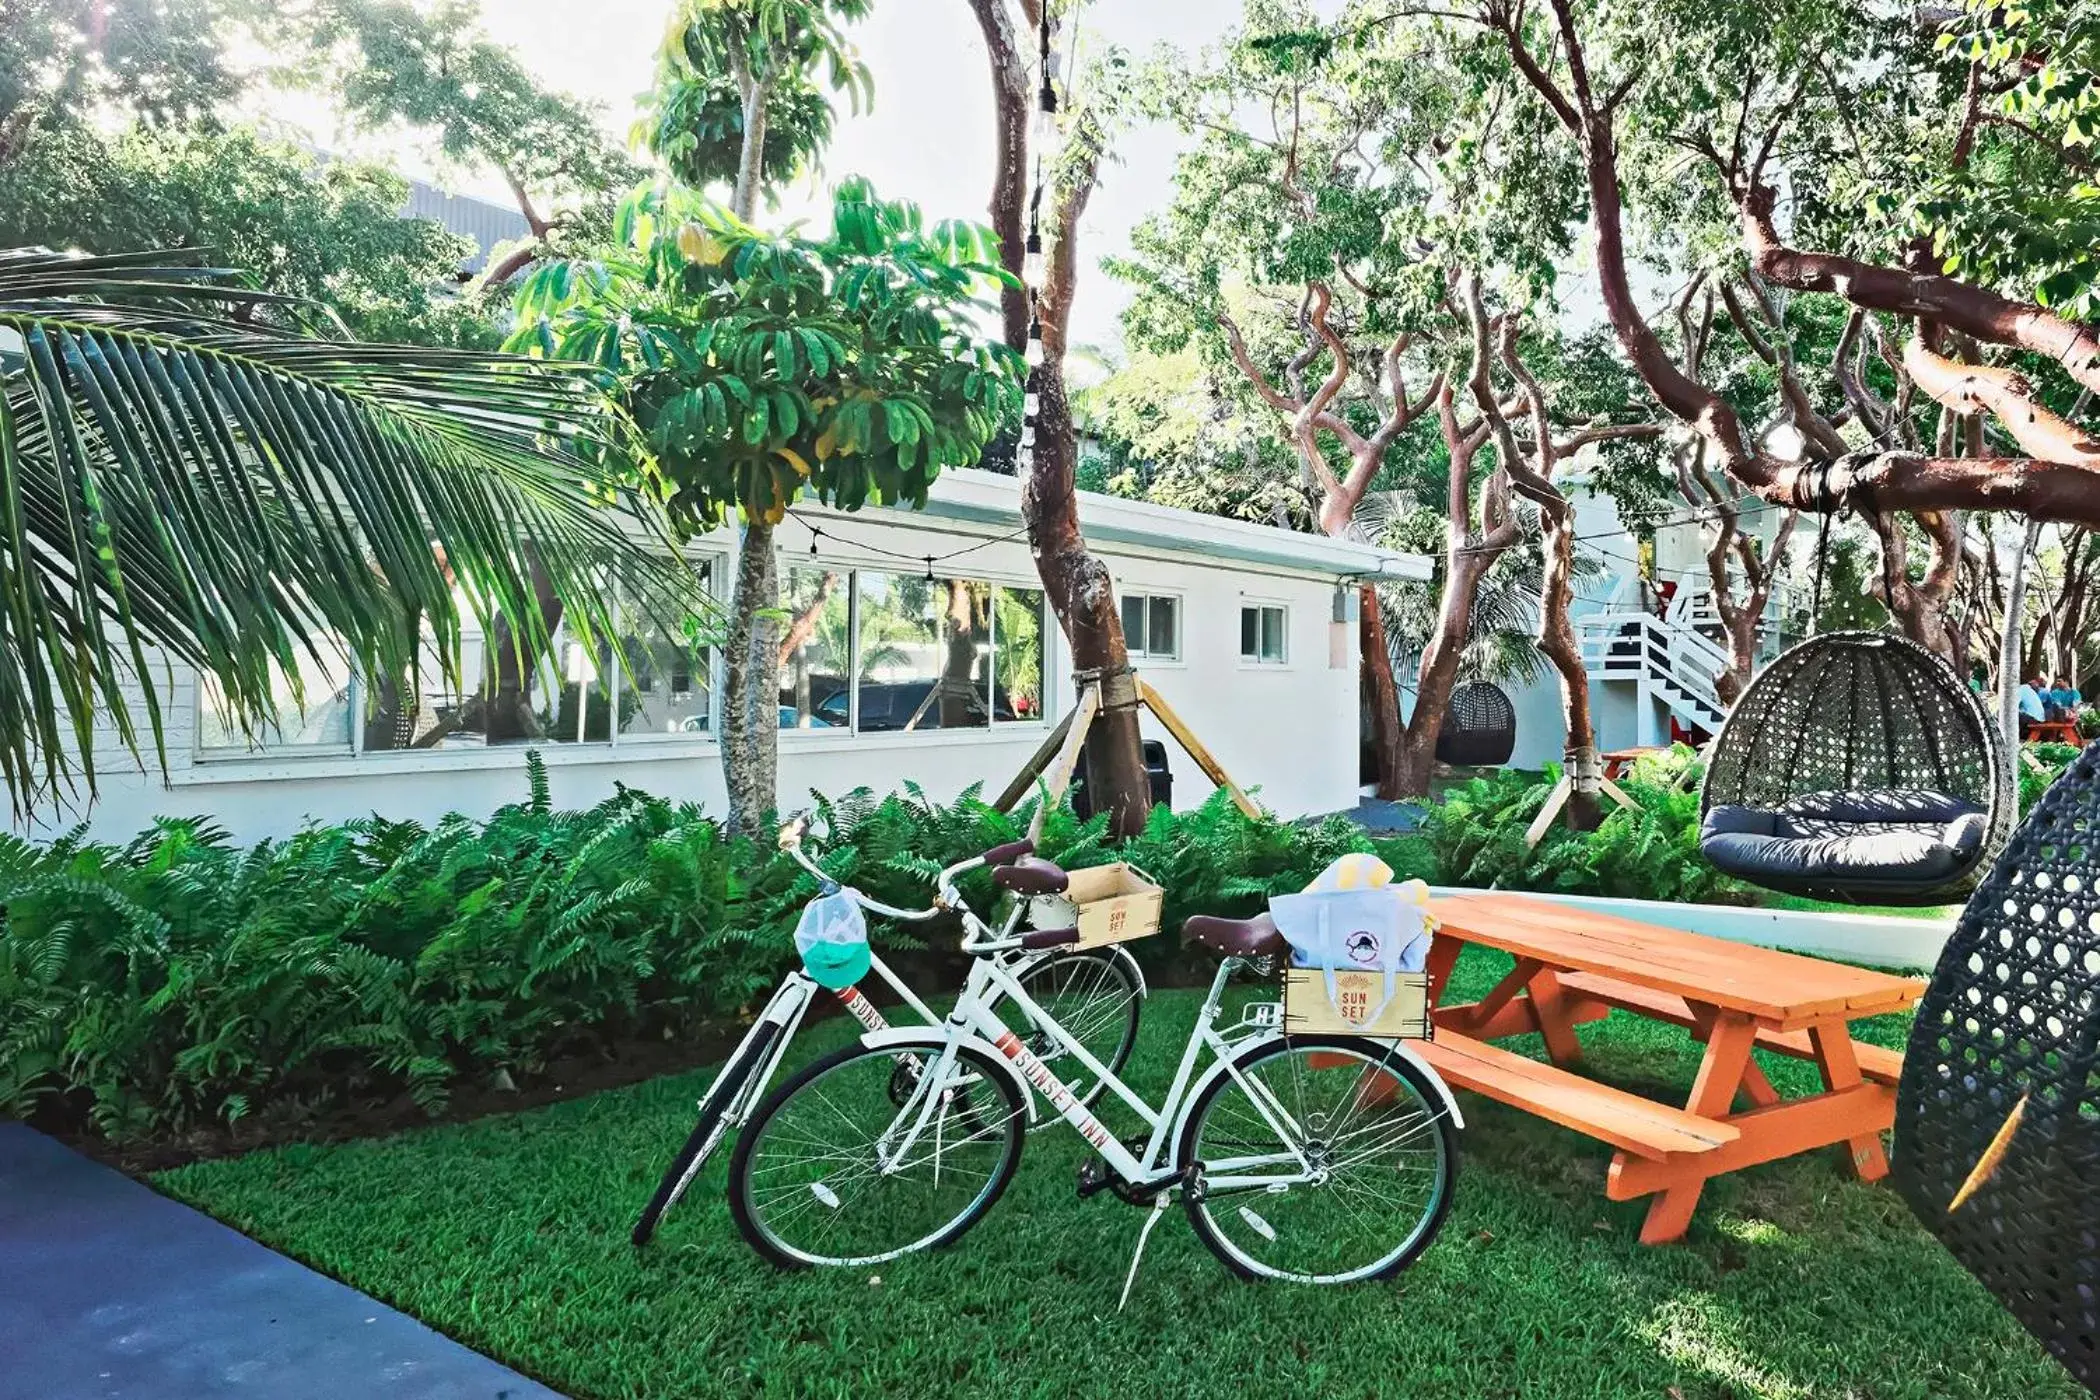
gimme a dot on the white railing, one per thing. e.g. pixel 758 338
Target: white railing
pixel 1638 646
pixel 1693 607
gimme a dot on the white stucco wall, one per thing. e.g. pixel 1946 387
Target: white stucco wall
pixel 1290 732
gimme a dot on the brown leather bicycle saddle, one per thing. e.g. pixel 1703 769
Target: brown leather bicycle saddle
pixel 1257 937
pixel 1029 875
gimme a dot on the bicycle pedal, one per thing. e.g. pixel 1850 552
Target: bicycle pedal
pixel 1094 1177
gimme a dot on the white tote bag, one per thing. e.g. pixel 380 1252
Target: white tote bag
pixel 1384 929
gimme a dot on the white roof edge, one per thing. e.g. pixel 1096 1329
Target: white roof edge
pixel 988 498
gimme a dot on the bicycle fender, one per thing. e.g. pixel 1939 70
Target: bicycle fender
pixel 1400 1048
pixel 930 1038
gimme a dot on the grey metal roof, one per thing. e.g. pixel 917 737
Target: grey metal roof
pixel 488 224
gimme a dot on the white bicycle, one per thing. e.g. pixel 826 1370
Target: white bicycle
pixel 1099 993
pixel 1318 1159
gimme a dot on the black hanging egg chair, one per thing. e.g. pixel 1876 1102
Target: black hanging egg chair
pixel 1857 768
pixel 1998 1110
pixel 1479 729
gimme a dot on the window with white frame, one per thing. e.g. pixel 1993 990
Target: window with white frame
pixel 938 653
pixel 506 692
pixel 669 692
pixel 1264 634
pixel 863 652
pixel 315 710
pixel 1152 625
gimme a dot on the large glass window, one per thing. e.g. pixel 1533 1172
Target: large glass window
pixel 816 649
pixel 670 693
pixel 510 691
pixel 314 716
pixel 1152 625
pixel 925 653
pixel 1017 655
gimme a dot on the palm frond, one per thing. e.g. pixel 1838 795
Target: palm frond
pixel 178 481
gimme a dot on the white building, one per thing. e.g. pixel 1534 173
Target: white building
pixel 1247 631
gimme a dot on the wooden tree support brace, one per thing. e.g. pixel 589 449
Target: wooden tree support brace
pixel 1057 757
pixel 1060 775
pixel 1037 762
pixel 1212 769
pixel 1557 800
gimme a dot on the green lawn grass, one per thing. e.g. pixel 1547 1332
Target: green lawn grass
pixel 510 1234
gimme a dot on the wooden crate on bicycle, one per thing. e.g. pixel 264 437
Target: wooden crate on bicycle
pixel 1107 903
pixel 1308 1009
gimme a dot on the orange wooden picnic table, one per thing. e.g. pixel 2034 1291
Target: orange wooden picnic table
pixel 1574 965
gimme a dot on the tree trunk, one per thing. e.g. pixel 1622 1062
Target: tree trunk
pixel 1010 99
pixel 751 683
pixel 751 156
pixel 2009 675
pixel 750 733
pixel 1382 694
pixel 1741 628
pixel 1078 584
pixel 1437 674
pixel 1083 597
pixel 1557 640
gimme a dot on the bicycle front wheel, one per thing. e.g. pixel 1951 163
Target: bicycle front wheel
pixel 826 1174
pixel 1323 1160
pixel 733 1090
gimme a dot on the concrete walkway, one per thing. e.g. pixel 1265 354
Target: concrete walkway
pixel 110 1290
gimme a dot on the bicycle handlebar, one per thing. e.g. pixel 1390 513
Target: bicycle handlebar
pixel 945 897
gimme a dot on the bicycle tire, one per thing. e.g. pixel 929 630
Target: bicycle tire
pixel 1119 968
pixel 707 1132
pixel 1380 1055
pixel 988 1070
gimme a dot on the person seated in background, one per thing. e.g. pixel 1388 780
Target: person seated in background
pixel 2033 709
pixel 2063 699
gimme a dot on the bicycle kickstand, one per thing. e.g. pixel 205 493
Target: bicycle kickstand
pixel 1159 1208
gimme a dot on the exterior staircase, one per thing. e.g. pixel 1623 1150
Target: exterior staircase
pixel 1670 659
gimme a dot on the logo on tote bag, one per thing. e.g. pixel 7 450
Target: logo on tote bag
pixel 1362 947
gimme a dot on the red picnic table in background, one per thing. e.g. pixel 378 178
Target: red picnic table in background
pixel 1573 966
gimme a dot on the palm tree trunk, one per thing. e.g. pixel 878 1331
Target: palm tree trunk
pixel 751 673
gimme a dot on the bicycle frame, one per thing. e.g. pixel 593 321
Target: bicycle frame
pixel 973 1017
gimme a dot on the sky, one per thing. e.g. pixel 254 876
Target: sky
pixel 928 136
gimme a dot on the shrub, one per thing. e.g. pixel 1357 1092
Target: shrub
pixel 1476 837
pixel 2035 780
pixel 181 981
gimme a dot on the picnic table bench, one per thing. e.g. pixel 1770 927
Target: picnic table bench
pixel 1574 966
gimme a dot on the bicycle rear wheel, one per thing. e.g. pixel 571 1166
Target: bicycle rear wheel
pixel 814 1180
pixel 1096 997
pixel 1382 1151
pixel 733 1088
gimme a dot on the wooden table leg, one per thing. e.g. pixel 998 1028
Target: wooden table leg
pixel 1553 1008
pixel 1756 1087
pixel 1840 1070
pixel 1728 1044
pixel 1443 957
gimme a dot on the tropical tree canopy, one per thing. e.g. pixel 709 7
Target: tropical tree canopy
pixel 761 367
pixel 181 479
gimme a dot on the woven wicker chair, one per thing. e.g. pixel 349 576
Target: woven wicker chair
pixel 1480 727
pixel 2013 1018
pixel 1858 767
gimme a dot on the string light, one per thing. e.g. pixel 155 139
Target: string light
pixel 845 542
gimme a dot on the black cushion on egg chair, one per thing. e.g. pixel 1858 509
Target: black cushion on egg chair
pixel 2012 1020
pixel 1858 767
pixel 1479 729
